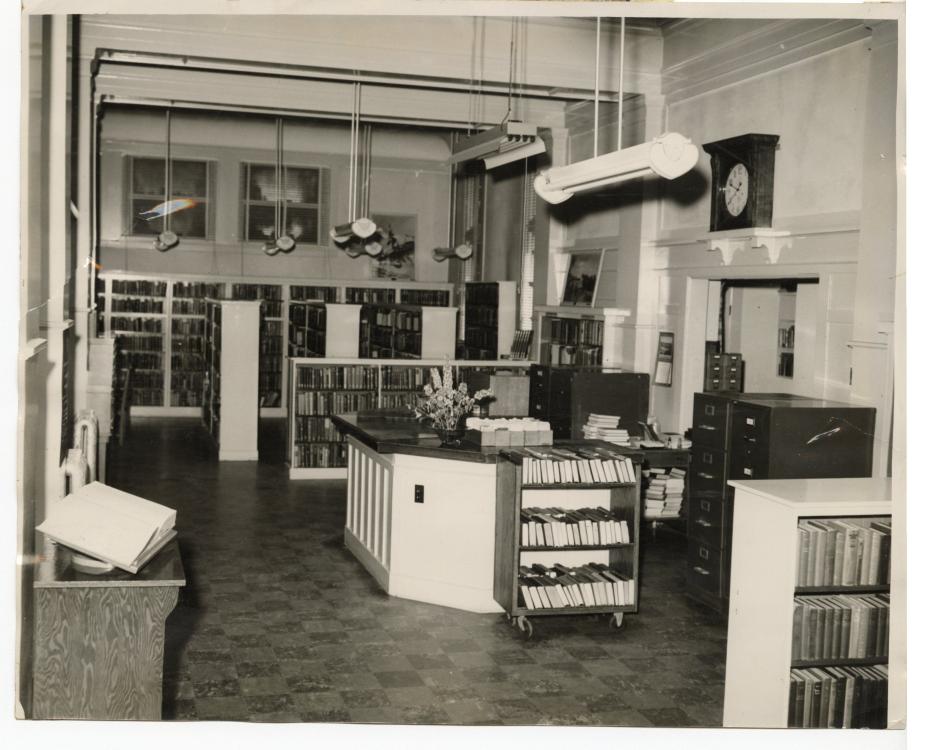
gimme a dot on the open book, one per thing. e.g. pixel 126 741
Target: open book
pixel 114 526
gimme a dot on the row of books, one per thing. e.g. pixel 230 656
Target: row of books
pixel 320 455
pixel 313 316
pixel 315 429
pixel 842 626
pixel 140 360
pixel 338 378
pixel 405 320
pixel 188 326
pixel 143 325
pixel 143 343
pixel 573 332
pixel 582 355
pixel 562 587
pixel 356 295
pixel 189 306
pixel 257 291
pixel 555 527
pixel 586 465
pixel 838 697
pixel 664 493
pixel 144 288
pixel 196 289
pixel 324 402
pixel 136 305
pixel 426 297
pixel 323 293
pixel 605 427
pixel 843 552
pixel 190 362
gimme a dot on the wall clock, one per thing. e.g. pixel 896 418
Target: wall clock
pixel 743 181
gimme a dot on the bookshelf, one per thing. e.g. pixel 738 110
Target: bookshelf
pixel 320 389
pixel 232 377
pixel 167 381
pixel 514 559
pixel 389 331
pixel 491 319
pixel 773 652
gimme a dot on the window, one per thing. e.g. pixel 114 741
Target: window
pixel 190 183
pixel 304 202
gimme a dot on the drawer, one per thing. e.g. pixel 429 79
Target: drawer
pixel 707 521
pixel 749 424
pixel 710 416
pixel 708 470
pixel 705 568
pixel 748 461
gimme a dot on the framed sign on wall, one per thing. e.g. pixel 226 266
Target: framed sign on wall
pixel 664 359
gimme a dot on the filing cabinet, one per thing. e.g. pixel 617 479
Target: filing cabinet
pixel 760 436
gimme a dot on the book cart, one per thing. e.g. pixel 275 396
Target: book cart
pixel 513 494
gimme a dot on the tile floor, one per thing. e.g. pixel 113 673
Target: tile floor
pixel 279 623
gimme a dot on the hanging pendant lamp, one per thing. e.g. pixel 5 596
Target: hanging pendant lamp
pixel 167 238
pixel 281 240
pixel 670 155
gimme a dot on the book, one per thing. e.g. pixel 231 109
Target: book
pixel 111 525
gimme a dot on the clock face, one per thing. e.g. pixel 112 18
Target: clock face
pixel 735 191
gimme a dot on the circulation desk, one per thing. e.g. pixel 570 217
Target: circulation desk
pixel 421 517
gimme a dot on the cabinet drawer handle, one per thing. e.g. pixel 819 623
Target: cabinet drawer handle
pixel 747 472
pixel 705 505
pixel 701 522
pixel 704 553
pixel 701 571
pixel 750 421
pixel 706 427
pixel 704 475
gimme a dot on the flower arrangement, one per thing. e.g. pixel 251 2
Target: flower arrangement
pixel 443 405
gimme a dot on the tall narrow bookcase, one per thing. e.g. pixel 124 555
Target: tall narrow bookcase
pixel 407 331
pixel 230 409
pixel 491 319
pixel 513 495
pixel 136 312
pixel 766 590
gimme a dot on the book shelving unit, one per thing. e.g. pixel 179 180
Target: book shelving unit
pixel 322 388
pixel 513 494
pixel 232 341
pixel 406 331
pixel 491 319
pixel 165 384
pixel 572 338
pixel 764 685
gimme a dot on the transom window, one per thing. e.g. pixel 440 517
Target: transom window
pixel 303 198
pixel 190 197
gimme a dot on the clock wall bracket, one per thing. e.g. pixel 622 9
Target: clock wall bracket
pixel 728 243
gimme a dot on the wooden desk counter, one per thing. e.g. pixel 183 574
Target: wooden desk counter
pixel 99 639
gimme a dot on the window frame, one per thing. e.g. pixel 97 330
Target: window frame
pixel 245 201
pixel 130 196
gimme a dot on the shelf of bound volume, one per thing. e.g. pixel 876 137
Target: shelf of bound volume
pixel 809 622
pixel 161 318
pixel 566 531
pixel 320 389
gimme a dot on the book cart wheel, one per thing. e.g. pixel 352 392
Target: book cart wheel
pixel 616 620
pixel 525 626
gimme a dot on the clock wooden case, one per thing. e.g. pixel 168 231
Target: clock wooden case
pixel 743 181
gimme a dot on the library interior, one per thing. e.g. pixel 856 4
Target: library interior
pixel 463 370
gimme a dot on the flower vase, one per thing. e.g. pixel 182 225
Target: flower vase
pixel 452 436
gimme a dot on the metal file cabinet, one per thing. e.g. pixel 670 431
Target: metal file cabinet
pixel 760 436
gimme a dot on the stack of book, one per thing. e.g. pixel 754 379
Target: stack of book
pixel 586 527
pixel 665 493
pixel 561 587
pixel 838 697
pixel 605 427
pixel 841 626
pixel 843 552
pixel 585 465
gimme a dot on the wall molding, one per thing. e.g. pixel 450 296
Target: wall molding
pixel 770 47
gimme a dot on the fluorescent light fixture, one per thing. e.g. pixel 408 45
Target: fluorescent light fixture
pixel 669 155
pixel 509 142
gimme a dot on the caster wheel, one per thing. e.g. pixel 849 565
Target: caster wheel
pixel 616 621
